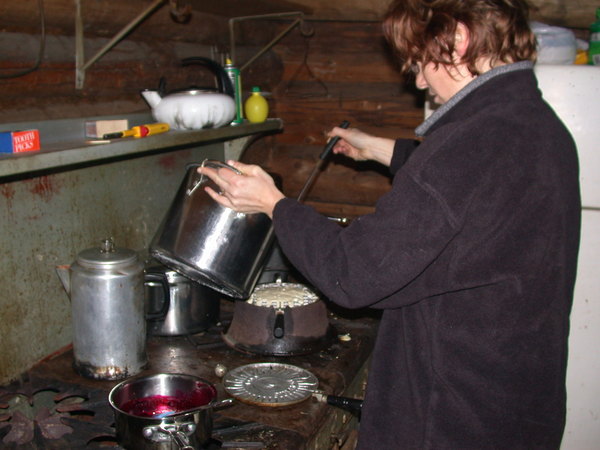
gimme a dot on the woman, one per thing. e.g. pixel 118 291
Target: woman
pixel 471 255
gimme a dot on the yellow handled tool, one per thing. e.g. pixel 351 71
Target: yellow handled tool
pixel 140 131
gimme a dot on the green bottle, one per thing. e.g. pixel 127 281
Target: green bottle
pixel 594 50
pixel 236 80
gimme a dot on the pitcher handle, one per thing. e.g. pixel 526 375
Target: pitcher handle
pixel 162 280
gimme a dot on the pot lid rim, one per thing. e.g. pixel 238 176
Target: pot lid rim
pixel 94 257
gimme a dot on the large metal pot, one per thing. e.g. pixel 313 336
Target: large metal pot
pixel 106 286
pixel 209 243
pixel 164 411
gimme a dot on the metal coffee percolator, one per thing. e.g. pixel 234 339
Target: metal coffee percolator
pixel 106 287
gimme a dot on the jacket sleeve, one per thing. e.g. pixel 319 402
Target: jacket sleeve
pixel 403 148
pixel 369 262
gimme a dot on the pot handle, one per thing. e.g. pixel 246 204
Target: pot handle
pixel 215 405
pixel 177 433
pixel 353 405
pixel 162 280
pixel 181 440
pixel 222 403
pixel 223 81
pixel 206 163
pixel 279 328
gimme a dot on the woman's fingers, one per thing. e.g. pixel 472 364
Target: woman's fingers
pixel 219 198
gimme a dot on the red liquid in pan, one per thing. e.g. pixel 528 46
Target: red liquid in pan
pixel 156 405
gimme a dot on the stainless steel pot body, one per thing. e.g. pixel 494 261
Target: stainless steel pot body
pixel 106 286
pixel 209 243
pixel 149 433
pixel 185 307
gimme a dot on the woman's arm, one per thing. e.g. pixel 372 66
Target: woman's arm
pixel 361 146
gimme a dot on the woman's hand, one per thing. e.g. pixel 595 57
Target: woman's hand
pixel 253 191
pixel 361 146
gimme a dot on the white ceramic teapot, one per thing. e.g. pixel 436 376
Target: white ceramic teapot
pixel 194 109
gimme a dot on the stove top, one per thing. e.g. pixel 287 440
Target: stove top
pixel 39 413
pixel 52 407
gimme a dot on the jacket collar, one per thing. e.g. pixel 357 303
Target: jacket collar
pixel 426 126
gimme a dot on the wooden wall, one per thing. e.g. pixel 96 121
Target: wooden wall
pixel 340 71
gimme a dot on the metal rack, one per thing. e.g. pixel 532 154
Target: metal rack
pixel 81 65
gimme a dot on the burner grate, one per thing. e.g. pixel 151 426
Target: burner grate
pixel 38 413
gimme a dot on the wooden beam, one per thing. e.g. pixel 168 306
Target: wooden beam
pixel 237 8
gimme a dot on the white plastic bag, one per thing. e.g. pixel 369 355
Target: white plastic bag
pixel 555 45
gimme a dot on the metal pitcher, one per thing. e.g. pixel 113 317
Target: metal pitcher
pixel 106 286
pixel 184 307
pixel 209 243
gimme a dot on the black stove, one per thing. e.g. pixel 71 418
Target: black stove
pixel 52 407
pixel 39 413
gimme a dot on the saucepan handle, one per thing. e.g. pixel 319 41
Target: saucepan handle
pixel 181 440
pixel 177 433
pixel 353 405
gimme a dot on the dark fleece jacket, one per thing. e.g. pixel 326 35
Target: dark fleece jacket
pixel 472 256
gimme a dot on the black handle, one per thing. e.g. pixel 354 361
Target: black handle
pixel 164 284
pixel 278 329
pixel 320 163
pixel 223 81
pixel 353 405
pixel 333 141
pixel 118 134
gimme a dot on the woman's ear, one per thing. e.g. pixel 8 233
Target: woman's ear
pixel 461 40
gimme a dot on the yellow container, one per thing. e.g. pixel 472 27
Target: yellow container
pixel 256 107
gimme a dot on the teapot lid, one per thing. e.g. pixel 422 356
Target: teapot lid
pixel 106 256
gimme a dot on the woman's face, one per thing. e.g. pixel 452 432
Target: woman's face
pixel 438 80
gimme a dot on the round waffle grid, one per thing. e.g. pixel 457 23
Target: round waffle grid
pixel 270 384
pixel 282 295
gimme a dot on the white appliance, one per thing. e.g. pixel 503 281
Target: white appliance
pixel 574 93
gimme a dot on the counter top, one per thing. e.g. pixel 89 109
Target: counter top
pixel 341 370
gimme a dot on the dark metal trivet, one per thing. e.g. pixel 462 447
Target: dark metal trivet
pixel 49 414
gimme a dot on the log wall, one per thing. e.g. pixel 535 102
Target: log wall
pixel 334 68
pixel 340 71
pixel 315 77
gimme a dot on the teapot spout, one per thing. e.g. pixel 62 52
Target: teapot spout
pixel 153 98
pixel 64 275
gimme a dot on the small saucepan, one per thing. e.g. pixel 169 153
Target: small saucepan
pixel 164 411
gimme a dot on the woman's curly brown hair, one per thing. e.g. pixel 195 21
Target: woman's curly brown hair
pixel 424 31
